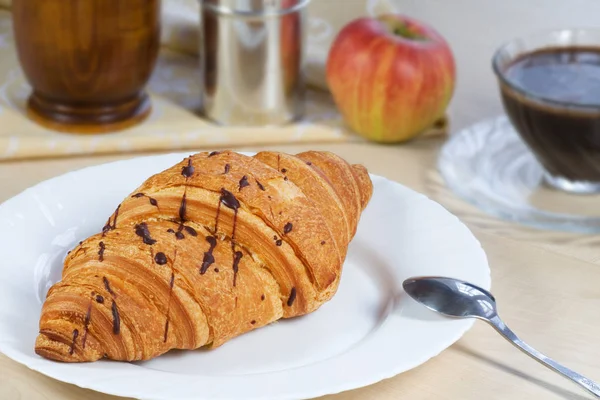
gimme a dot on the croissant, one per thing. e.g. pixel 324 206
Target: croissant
pixel 216 246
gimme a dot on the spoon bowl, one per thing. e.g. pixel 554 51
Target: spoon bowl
pixel 451 297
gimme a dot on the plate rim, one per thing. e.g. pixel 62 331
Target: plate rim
pixel 371 379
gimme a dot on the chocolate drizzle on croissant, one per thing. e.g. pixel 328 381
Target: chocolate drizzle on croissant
pixel 110 226
pixel 237 243
pixel 208 259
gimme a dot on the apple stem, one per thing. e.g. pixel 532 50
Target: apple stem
pixel 405 32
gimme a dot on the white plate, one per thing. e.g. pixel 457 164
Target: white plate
pixel 370 330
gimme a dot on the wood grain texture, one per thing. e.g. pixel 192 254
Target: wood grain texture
pixel 545 282
pixel 550 300
pixel 87 60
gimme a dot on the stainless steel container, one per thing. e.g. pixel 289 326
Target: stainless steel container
pixel 252 58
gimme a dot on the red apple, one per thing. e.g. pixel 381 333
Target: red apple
pixel 392 77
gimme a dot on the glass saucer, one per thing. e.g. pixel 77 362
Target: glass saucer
pixel 488 165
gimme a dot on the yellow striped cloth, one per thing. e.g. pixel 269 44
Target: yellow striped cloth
pixel 174 89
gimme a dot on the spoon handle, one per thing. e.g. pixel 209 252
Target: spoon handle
pixel 509 335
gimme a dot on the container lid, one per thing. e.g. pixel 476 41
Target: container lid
pixel 254 8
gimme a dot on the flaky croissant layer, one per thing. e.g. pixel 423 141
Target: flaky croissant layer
pixel 217 245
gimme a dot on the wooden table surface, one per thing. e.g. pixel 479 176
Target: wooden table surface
pixel 546 282
pixel 551 299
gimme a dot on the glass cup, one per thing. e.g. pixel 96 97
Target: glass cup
pixel 562 133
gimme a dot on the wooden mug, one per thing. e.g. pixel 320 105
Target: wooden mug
pixel 88 61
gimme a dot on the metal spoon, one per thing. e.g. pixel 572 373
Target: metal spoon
pixel 455 298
